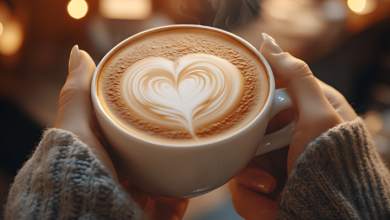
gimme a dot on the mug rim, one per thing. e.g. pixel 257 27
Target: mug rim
pixel 97 104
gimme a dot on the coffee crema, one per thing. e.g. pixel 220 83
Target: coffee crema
pixel 183 86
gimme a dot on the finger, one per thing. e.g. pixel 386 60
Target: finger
pixel 280 120
pixel 279 84
pixel 139 196
pixel 249 204
pixel 256 179
pixel 156 207
pixel 274 163
pixel 75 112
pixel 338 101
pixel 316 114
pixel 295 73
pixel 75 106
pixel 167 208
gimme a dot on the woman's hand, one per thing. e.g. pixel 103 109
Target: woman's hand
pixel 75 114
pixel 319 107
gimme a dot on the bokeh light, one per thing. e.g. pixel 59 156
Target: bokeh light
pixel 77 8
pixel 362 6
pixel 11 39
pixel 357 5
pixel 126 9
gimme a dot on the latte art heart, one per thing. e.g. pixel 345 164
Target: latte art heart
pixel 194 91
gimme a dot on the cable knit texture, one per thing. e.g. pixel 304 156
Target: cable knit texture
pixel 339 176
pixel 64 180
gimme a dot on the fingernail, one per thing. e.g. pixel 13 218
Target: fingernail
pixel 264 184
pixel 271 43
pixel 75 58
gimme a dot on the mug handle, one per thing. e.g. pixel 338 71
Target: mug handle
pixel 282 137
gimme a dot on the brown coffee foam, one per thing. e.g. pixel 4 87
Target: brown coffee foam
pixel 173 47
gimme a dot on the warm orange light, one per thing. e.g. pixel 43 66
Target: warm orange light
pixel 77 8
pixel 1 28
pixel 11 39
pixel 126 9
pixel 357 5
pixel 362 6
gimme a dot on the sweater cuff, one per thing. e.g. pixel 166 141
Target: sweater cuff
pixel 339 175
pixel 64 179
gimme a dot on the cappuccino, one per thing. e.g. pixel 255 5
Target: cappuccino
pixel 183 86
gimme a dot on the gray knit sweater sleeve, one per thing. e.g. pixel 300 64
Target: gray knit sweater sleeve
pixel 64 180
pixel 339 176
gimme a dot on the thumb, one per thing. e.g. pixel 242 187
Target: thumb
pixel 296 74
pixel 75 111
pixel 75 107
pixel 316 115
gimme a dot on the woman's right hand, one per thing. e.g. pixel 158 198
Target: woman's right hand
pixel 319 107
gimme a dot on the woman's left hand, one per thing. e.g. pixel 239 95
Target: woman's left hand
pixel 319 107
pixel 75 114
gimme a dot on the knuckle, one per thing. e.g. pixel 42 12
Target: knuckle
pixel 336 100
pixel 340 97
pixel 335 93
pixel 301 69
pixel 68 93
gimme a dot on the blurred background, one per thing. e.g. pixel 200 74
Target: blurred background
pixel 345 42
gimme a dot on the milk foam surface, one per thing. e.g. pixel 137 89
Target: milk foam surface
pixel 194 91
pixel 189 64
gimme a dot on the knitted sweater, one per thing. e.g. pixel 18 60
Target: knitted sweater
pixel 338 176
pixel 64 180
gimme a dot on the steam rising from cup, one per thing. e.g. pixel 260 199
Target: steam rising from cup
pixel 224 14
pixel 233 14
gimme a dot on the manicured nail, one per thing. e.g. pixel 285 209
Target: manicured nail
pixel 264 184
pixel 75 58
pixel 271 43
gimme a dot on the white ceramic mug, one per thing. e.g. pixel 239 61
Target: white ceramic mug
pixel 191 170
